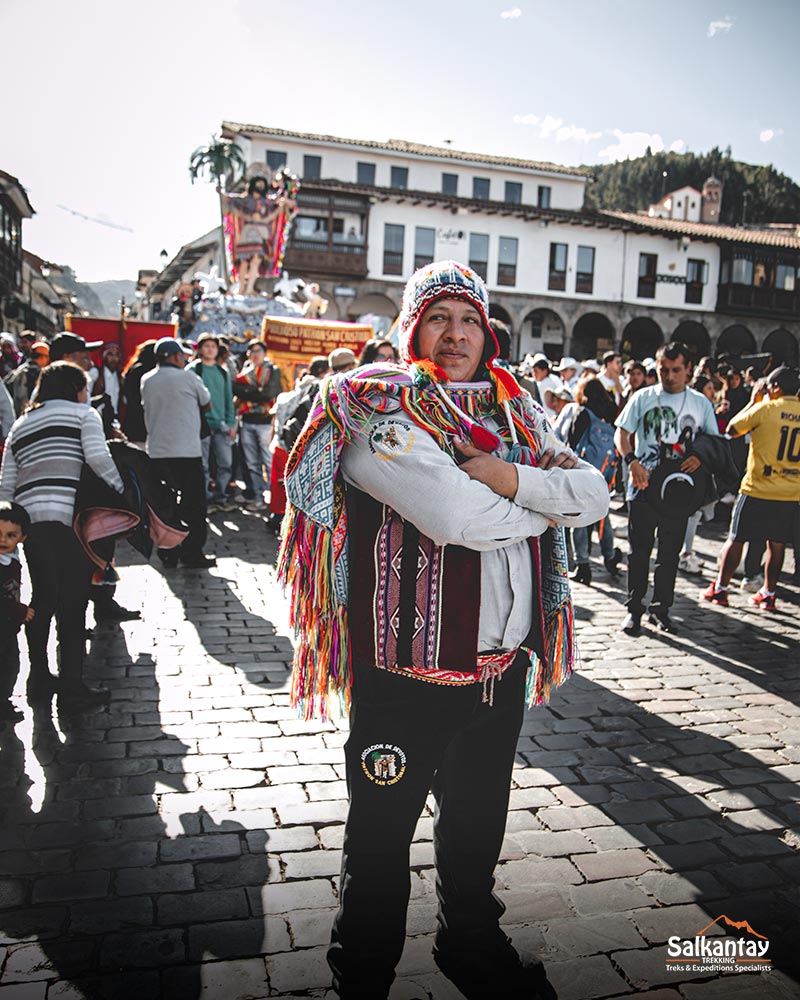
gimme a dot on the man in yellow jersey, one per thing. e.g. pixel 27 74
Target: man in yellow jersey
pixel 767 505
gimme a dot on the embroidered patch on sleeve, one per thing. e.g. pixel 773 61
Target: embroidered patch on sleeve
pixel 390 439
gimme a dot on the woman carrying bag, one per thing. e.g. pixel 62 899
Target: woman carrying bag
pixel 45 452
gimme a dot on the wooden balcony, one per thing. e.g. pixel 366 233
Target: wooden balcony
pixel 310 259
pixel 758 301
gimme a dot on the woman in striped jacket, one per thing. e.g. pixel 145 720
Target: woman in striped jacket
pixel 45 452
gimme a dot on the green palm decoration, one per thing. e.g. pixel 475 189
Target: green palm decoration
pixel 221 161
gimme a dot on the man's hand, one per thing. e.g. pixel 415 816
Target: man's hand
pixel 499 476
pixel 639 475
pixel 551 459
pixel 233 433
pixel 29 613
pixel 690 464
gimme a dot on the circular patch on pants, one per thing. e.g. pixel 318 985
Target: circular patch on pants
pixel 383 763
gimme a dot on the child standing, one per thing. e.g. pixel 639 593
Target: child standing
pixel 14 527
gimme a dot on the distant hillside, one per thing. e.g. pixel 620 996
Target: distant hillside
pixel 632 185
pixel 111 292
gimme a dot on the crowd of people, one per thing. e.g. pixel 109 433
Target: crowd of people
pixel 728 426
pixel 433 544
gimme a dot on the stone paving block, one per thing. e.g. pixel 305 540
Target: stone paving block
pixel 195 907
pixel 563 818
pixel 532 872
pixel 269 796
pixel 753 819
pixel 316 813
pixel 681 856
pixel 690 831
pixel 236 979
pixel 163 878
pixel 684 920
pixel 25 991
pixel 13 893
pixel 298 970
pixel 104 915
pixel 294 838
pixel 231 778
pixel 139 854
pixel 70 885
pixel 637 812
pixel 144 949
pixel 312 928
pixel 609 838
pixel 239 938
pixel 585 978
pixel 580 795
pixel 285 897
pixel 139 985
pixel 320 791
pixel 613 864
pixel 310 864
pixel 645 969
pixel 773 986
pixel 613 896
pixel 757 845
pixel 526 905
pixel 26 963
pixel 547 843
pixel 593 935
pixel 221 845
pixel 688 887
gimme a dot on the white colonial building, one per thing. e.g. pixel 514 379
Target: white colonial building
pixel 567 281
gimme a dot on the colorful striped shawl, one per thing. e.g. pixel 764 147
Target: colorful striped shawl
pixel 313 556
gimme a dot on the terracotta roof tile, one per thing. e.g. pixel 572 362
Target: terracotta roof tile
pixel 717 234
pixel 412 148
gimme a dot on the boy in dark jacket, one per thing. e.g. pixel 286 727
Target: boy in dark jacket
pixel 14 527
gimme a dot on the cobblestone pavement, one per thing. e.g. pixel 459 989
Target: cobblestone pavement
pixel 186 843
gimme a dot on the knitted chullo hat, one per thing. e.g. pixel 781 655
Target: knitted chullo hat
pixel 445 279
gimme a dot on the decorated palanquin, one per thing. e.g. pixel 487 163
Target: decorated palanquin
pixel 257 226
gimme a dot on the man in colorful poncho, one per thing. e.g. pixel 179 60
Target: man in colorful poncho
pixel 428 572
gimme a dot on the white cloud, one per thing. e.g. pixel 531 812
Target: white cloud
pixel 631 144
pixel 677 146
pixel 551 127
pixel 720 27
pixel 768 134
pixel 513 12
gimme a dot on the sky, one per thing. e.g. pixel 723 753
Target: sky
pixel 104 102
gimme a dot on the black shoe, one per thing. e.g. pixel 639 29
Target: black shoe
pixel 612 564
pixel 583 574
pixel 500 973
pixel 169 562
pixel 198 562
pixel 75 697
pixel 113 612
pixel 8 713
pixel 661 619
pixel 632 624
pixel 41 688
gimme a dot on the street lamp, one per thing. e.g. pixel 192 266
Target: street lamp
pixel 664 182
pixel 164 258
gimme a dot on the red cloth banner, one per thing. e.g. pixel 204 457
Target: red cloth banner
pixel 127 334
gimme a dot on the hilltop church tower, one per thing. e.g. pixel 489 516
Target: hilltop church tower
pixel 712 201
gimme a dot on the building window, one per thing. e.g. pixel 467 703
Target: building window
pixel 785 275
pixel 424 240
pixel 399 178
pixel 479 253
pixel 557 280
pixel 393 237
pixel 648 263
pixel 513 192
pixel 584 271
pixel 742 271
pixel 365 174
pixel 480 188
pixel 276 159
pixel 507 261
pixel 696 277
pixel 312 168
pixel 449 183
pixel 543 196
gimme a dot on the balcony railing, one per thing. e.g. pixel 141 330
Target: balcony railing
pixel 313 259
pixel 758 299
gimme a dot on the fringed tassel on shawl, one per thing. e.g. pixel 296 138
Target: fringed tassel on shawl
pixel 321 675
pixel 559 654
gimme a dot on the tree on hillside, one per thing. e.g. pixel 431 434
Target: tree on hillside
pixel 222 162
pixel 632 185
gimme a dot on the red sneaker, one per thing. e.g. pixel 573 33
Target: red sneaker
pixel 764 601
pixel 715 595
